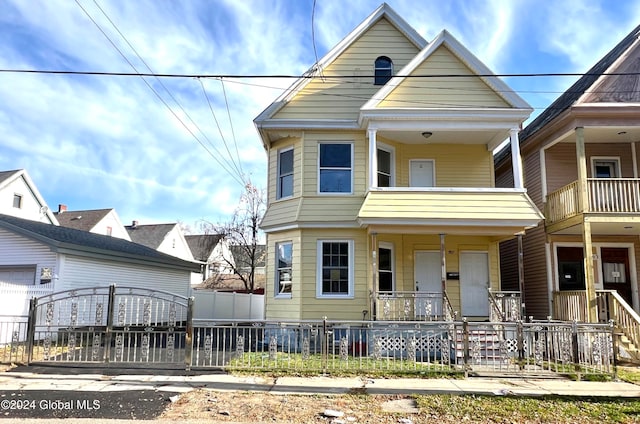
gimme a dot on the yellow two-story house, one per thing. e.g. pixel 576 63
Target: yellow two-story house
pixel 381 192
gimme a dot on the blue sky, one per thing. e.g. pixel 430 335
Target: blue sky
pixel 94 142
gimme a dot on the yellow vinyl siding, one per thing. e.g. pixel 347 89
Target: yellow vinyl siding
pixel 457 165
pixel 341 309
pixel 327 98
pixel 443 92
pixel 329 208
pixel 280 307
pixel 281 213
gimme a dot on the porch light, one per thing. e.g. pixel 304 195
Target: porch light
pixel 427 134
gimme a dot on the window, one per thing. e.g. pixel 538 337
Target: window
pixel 570 268
pixel 109 231
pixel 285 173
pixel 385 167
pixel 335 160
pixel 383 70
pixel 385 268
pixel 605 167
pixel 17 201
pixel 335 268
pixel 284 259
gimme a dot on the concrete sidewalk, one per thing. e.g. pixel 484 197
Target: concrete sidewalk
pixel 95 380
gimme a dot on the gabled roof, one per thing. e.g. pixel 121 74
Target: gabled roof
pixel 82 220
pixel 384 11
pixel 202 245
pixel 151 235
pixel 6 177
pixel 83 243
pixel 466 57
pixel 573 93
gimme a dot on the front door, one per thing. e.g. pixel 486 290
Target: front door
pixel 615 271
pixel 422 174
pixel 428 274
pixel 474 284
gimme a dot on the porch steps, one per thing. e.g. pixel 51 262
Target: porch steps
pixel 631 350
pixel 485 347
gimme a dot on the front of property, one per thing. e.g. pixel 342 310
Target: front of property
pixel 382 201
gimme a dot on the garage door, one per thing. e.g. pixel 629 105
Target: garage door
pixel 25 275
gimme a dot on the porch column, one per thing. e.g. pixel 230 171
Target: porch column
pixel 374 275
pixel 443 260
pixel 373 159
pixel 583 199
pixel 516 159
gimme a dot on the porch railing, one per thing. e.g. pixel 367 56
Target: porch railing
pixel 606 195
pixel 505 306
pixel 572 305
pixel 412 306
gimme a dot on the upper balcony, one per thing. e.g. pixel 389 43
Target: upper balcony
pixel 605 196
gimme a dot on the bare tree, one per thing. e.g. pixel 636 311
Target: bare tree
pixel 243 235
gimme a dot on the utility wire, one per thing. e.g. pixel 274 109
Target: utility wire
pixel 233 133
pixel 308 76
pixel 156 93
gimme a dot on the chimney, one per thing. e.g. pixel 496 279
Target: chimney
pixel 134 224
pixel 62 208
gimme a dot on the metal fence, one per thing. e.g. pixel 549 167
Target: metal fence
pixel 325 346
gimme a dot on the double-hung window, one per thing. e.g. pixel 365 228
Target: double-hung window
pixel 335 170
pixel 385 167
pixel 335 268
pixel 284 262
pixel 285 173
pixel 385 268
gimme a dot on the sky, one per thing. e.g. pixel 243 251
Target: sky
pixel 163 150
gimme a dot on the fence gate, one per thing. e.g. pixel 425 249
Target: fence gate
pixel 116 325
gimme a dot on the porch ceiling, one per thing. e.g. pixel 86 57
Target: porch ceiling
pixel 604 134
pixel 444 137
pixel 604 226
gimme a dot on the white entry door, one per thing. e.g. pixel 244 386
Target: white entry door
pixel 421 173
pixel 474 282
pixel 428 276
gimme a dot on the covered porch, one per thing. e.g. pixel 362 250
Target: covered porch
pixel 434 252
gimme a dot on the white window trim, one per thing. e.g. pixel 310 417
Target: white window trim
pixel 392 153
pixel 615 159
pixel 389 246
pixel 335 193
pixel 319 294
pixel 433 166
pixel 278 176
pixel 277 293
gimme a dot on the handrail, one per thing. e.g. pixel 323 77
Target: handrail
pixel 495 308
pixel 450 314
pixel 625 318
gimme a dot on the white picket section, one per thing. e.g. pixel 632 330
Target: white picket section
pixel 212 304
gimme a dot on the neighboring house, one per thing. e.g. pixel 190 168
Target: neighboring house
pixel 98 221
pixel 20 197
pixel 166 238
pixel 581 166
pixel 243 259
pixel 37 259
pixel 381 193
pixel 213 250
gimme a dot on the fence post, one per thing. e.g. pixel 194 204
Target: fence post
pixel 614 348
pixel 188 336
pixel 520 343
pixel 465 346
pixel 325 345
pixel 108 334
pixel 31 327
pixel 576 352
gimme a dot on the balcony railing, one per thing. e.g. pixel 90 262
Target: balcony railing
pixel 606 195
pixel 413 306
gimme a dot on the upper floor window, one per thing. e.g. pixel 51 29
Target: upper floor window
pixel 383 70
pixel 335 268
pixel 285 173
pixel 335 167
pixel 605 167
pixel 284 266
pixel 17 201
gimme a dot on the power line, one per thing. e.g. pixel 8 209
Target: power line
pixel 308 76
pixel 138 74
